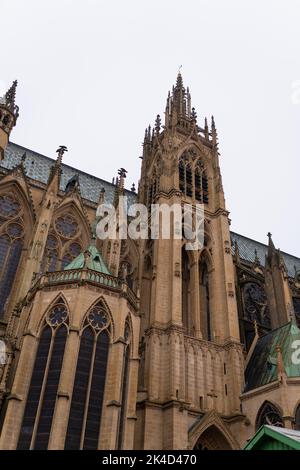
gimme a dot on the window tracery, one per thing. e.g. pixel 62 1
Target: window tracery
pixel 41 398
pixel 270 415
pixel 193 181
pixel 64 243
pixel 256 304
pixel 89 384
pixel 11 243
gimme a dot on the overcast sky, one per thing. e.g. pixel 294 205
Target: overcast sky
pixel 93 74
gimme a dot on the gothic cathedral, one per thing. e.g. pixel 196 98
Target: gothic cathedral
pixel 138 344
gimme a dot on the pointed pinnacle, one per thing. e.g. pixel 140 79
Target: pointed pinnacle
pixel 179 81
pixel 60 151
pixel 213 125
pixel 157 124
pixel 256 258
pixel 10 95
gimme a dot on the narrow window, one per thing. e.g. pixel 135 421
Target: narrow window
pixel 87 400
pixel 41 399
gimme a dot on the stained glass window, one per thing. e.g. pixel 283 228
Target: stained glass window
pixel 36 424
pixel 86 405
pixel 11 244
pixel 55 249
pixel 66 226
pixel 35 390
pixel 72 252
pixel 93 420
pixel 270 415
pixel 256 305
pixel 9 206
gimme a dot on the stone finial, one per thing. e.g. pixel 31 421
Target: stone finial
pixel 256 258
pixel 157 124
pixel 60 151
pixel 101 196
pixel 194 115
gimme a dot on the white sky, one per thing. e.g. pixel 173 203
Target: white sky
pixel 93 74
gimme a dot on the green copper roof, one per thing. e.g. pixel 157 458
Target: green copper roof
pixel 262 367
pixel 94 262
pixel 274 438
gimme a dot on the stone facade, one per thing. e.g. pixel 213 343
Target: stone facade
pixel 149 349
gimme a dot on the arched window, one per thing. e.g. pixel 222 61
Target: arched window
pixel 269 414
pixel 256 304
pixel 41 398
pixel 205 318
pixel 185 286
pixel 297 418
pixel 63 243
pixel 193 181
pixel 124 393
pixel 89 384
pixel 11 244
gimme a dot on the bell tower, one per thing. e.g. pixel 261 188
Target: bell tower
pixel 191 354
pixel 9 113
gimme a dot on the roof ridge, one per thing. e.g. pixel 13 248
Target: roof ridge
pixel 263 244
pixel 78 171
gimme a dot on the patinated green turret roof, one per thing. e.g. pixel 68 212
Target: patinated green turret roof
pixel 93 259
pixel 262 367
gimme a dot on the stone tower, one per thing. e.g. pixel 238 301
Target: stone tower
pixel 192 359
pixel 9 113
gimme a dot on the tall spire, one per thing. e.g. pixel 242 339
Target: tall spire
pixel 179 103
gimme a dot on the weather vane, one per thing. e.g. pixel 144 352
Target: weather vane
pixel 179 68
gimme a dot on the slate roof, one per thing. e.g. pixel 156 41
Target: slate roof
pixel 38 166
pixel 262 366
pixel 247 248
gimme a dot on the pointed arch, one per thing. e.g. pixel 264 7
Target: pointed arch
pixel 102 303
pixel 269 413
pixel 192 174
pixel 212 439
pixel 69 234
pixel 41 398
pixel 58 299
pixel 84 422
pixel 211 433
pixel 16 226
